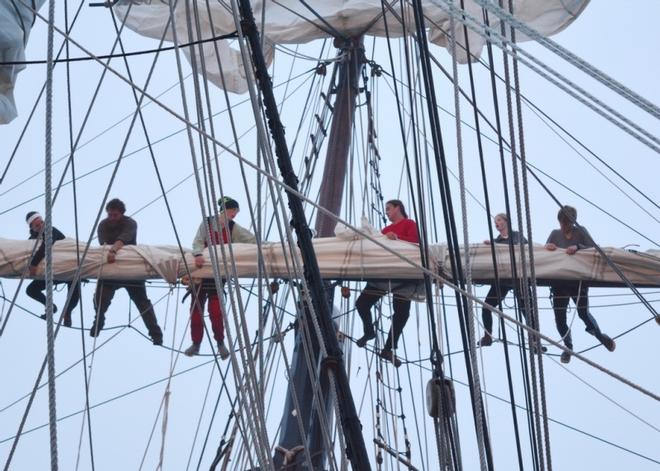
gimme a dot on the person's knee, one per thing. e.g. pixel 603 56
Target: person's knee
pixel 362 304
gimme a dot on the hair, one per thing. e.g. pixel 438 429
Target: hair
pixel 567 215
pixel 116 204
pixel 398 204
pixel 29 215
pixel 504 216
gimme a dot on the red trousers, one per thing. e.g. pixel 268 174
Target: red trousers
pixel 215 313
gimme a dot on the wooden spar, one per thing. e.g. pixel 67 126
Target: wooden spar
pixel 330 197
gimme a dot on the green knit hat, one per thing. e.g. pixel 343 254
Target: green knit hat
pixel 227 203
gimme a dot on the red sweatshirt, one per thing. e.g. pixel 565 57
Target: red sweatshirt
pixel 406 229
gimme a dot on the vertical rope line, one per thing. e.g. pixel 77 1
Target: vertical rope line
pixel 479 411
pixel 87 417
pixel 48 241
pixel 193 153
pixel 512 146
pixel 535 321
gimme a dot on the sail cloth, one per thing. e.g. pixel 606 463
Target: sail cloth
pixel 16 20
pixel 296 22
pixel 354 258
pixel 285 22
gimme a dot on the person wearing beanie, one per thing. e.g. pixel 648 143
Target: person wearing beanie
pixel 116 231
pixel 36 288
pixel 221 229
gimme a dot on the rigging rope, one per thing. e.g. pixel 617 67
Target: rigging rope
pixel 48 243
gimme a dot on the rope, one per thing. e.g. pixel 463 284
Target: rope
pixel 123 55
pixel 571 88
pixel 479 411
pixel 48 242
pixel 528 215
pixel 565 54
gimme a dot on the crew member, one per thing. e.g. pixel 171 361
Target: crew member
pixel 401 228
pixel 498 291
pixel 36 287
pixel 572 237
pixel 219 230
pixel 116 231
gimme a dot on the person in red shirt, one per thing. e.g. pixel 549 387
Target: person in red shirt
pixel 404 229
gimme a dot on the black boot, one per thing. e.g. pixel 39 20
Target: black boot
pixel 369 333
pixel 97 326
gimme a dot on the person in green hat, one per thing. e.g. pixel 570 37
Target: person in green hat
pixel 221 229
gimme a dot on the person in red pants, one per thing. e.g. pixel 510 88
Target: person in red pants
pixel 222 230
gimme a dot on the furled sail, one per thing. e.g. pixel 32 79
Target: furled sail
pixel 339 258
pixel 16 20
pixel 296 22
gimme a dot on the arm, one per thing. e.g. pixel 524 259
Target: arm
pixel 240 234
pixel 550 244
pixel 584 240
pixel 38 255
pixel 198 245
pixel 128 233
pixel 411 233
pixel 41 251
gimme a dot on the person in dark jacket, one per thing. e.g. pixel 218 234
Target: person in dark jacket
pixel 116 231
pixel 498 291
pixel 36 288
pixel 572 238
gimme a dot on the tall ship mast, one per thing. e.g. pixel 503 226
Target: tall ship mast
pixel 322 125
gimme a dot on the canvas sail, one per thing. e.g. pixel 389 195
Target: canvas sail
pixel 356 258
pixel 295 22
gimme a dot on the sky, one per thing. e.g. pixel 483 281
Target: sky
pixel 622 42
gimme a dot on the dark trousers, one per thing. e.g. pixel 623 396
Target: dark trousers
pixel 137 291
pixel 36 288
pixel 561 295
pixel 369 297
pixel 495 296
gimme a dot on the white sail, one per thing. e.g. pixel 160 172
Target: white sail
pixel 285 22
pixel 339 258
pixel 15 24
pixel 292 22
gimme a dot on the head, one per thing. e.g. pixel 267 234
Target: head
pixel 115 210
pixel 229 206
pixel 35 221
pixel 502 223
pixel 395 210
pixel 567 217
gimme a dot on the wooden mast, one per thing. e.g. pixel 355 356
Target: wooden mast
pixel 330 197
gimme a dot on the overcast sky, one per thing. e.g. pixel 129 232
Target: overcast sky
pixel 622 42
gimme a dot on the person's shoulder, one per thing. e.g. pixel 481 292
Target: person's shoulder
pixel 129 220
pixel 409 222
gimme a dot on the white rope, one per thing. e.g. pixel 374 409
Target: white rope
pixel 250 424
pixel 571 88
pixel 48 242
pixel 578 62
pixel 471 346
